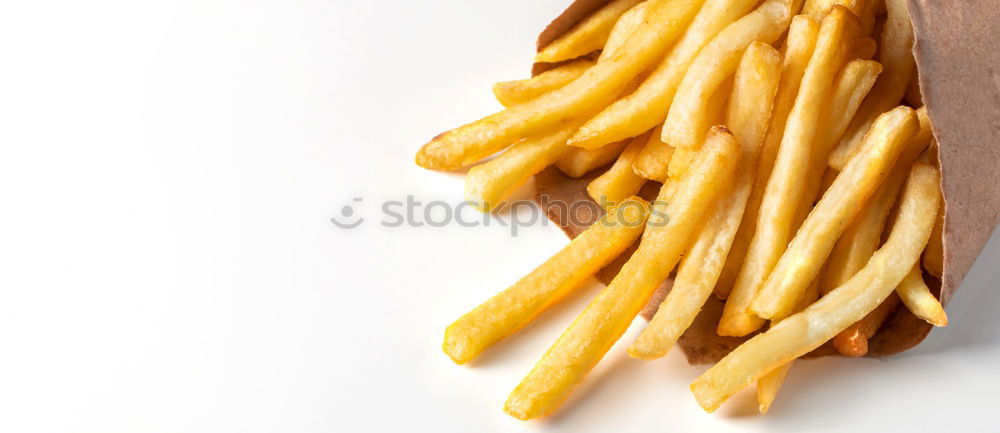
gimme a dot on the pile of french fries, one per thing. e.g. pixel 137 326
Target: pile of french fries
pixel 799 184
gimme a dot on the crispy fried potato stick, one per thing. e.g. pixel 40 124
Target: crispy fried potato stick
pixel 785 186
pixel 577 162
pixel 619 182
pixel 647 106
pixel 623 28
pixel 919 299
pixel 805 331
pixel 865 10
pixel 689 115
pixel 896 56
pixel 652 163
pixel 800 43
pixel 864 234
pixel 668 232
pixel 511 93
pixel 853 82
pixel 487 185
pixel 665 21
pixel 588 36
pixel 749 109
pixel 806 253
pixel 853 341
pixel 769 385
pixel 508 311
pixel 679 162
pixel 934 255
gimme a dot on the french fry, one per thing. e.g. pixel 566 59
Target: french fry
pixel 805 331
pixel 919 300
pixel 785 187
pixel 864 234
pixel 679 162
pixel 934 255
pixel 620 181
pixel 670 227
pixel 853 82
pixel 465 145
pixel 511 93
pixel 749 109
pixel 647 106
pixel 801 261
pixel 624 27
pixel 800 44
pixel 577 162
pixel 769 385
pixel 863 49
pixel 588 36
pixel 853 341
pixel 896 56
pixel 652 163
pixel 508 311
pixel 688 118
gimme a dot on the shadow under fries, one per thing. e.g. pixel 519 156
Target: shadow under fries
pixel 973 312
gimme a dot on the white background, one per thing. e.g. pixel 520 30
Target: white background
pixel 167 264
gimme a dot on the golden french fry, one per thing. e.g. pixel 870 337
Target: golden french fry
pixel 805 331
pixel 588 36
pixel 652 163
pixel 679 162
pixel 620 181
pixel 769 385
pixel 811 246
pixel 511 93
pixel 624 27
pixel 853 341
pixel 508 311
pixel 749 110
pixel 865 10
pixel 577 162
pixel 862 237
pixel 896 56
pixel 487 185
pixel 775 219
pixel 668 232
pixel 934 255
pixel 919 300
pixel 647 106
pixel 688 118
pixel 800 43
pixel 863 49
pixel 465 145
pixel 849 89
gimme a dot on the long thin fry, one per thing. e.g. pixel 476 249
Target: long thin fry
pixel 668 232
pixel 624 28
pixel 749 110
pixel 487 185
pixel 853 341
pixel 801 42
pixel 688 118
pixel 620 181
pixel 511 93
pixel 589 35
pixel 647 106
pixel 775 219
pixel 597 87
pixel 934 255
pixel 919 300
pixel 508 311
pixel 896 56
pixel 811 246
pixel 803 332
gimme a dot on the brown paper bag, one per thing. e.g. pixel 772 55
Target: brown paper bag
pixel 957 49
